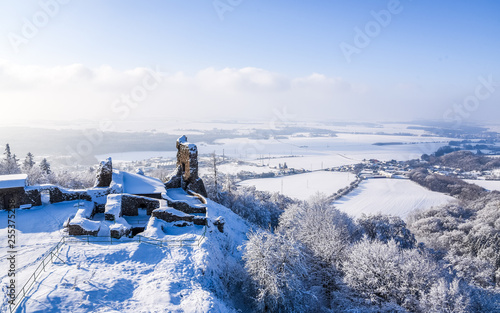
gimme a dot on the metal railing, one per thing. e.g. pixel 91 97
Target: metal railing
pixel 52 255
pixel 49 258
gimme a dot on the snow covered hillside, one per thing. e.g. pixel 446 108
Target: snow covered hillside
pixel 486 184
pixel 124 276
pixel 303 186
pixel 389 196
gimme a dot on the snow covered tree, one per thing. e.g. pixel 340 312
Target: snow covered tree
pixel 45 166
pixel 7 152
pixel 444 297
pixel 387 227
pixel 383 272
pixel 278 268
pixel 326 231
pixel 14 165
pixel 10 163
pixel 28 162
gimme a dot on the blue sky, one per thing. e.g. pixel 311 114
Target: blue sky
pixel 428 56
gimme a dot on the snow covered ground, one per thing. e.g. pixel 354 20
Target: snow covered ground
pixel 486 184
pixel 137 155
pixel 234 168
pixel 315 153
pixel 389 196
pixel 303 186
pixel 123 277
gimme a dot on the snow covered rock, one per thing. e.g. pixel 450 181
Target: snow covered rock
pixel 182 201
pixel 81 224
pixel 104 174
pixel 219 223
pixel 118 230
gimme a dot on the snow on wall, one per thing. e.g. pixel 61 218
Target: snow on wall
pixel 13 181
pixel 113 206
pixel 82 217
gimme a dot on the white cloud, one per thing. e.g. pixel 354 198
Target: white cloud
pixel 79 92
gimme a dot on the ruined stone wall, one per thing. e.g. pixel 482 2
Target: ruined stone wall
pixel 11 198
pixel 77 230
pixel 33 197
pixel 131 205
pixel 170 217
pixel 56 195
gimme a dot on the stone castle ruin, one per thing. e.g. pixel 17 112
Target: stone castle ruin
pixel 121 203
pixel 186 176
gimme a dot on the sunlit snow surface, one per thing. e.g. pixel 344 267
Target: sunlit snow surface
pixel 303 186
pixel 123 277
pixel 389 196
pixel 486 184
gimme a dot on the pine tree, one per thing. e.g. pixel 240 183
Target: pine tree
pixel 14 165
pixel 7 153
pixel 45 166
pixel 28 162
pixel 9 164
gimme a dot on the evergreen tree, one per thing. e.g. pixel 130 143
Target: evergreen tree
pixel 28 162
pixel 14 165
pixel 45 166
pixel 9 164
pixel 7 152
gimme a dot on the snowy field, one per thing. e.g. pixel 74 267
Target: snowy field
pixel 303 186
pixel 389 196
pixel 315 153
pixel 123 277
pixel 234 168
pixel 305 150
pixel 486 184
pixel 137 155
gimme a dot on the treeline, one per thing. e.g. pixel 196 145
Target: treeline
pixel 321 260
pixel 311 257
pixel 41 172
pixel 464 160
pixel 466 235
pixel 447 184
pixel 260 208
